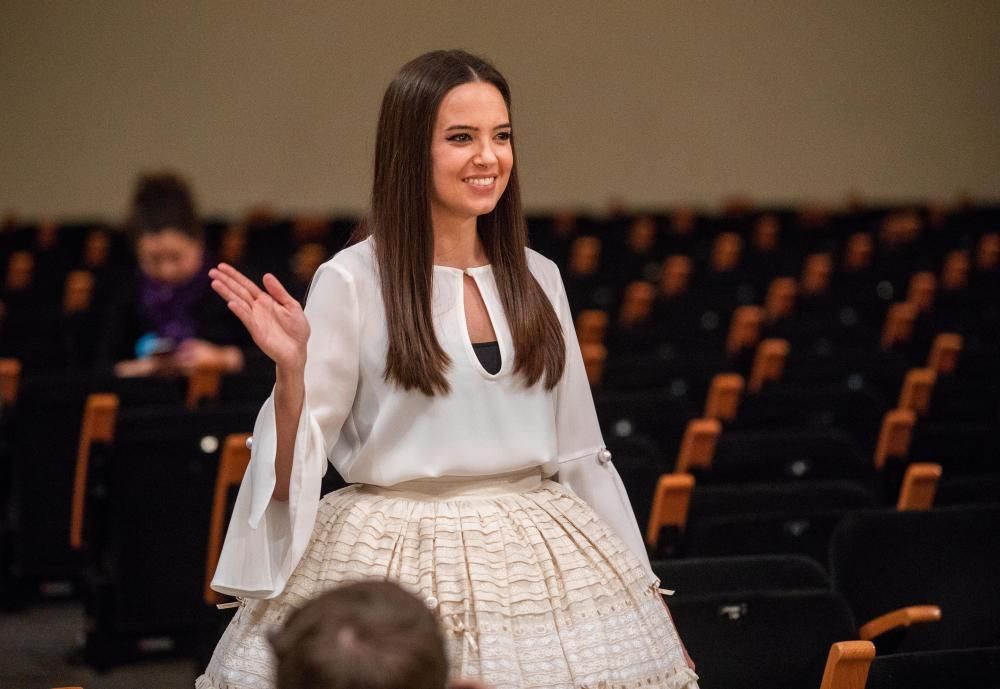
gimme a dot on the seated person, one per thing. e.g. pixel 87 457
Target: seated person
pixel 369 634
pixel 168 319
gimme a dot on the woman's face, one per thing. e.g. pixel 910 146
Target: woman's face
pixel 169 256
pixel 471 154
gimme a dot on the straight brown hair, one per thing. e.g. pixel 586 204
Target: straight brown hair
pixel 400 222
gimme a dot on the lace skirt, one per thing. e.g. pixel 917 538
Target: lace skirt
pixel 532 590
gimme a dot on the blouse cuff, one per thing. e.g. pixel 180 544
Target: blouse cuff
pixel 267 537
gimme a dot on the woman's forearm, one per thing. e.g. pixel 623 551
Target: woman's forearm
pixel 289 396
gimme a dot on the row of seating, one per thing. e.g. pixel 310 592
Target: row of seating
pixel 771 620
pixel 751 438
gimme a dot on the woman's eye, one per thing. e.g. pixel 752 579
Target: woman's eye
pixel 504 136
pixel 460 137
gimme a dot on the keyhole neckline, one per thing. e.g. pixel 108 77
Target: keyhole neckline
pixel 466 271
pixel 492 314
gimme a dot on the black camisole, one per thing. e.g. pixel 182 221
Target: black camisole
pixel 488 354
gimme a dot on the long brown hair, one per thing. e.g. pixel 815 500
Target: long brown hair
pixel 400 221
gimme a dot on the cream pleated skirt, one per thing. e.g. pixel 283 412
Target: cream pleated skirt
pixel 531 588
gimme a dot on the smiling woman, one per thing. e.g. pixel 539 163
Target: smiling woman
pixel 481 484
pixel 472 156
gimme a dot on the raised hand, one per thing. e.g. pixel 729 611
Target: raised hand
pixel 273 318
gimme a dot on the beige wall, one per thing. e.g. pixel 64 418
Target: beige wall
pixel 654 102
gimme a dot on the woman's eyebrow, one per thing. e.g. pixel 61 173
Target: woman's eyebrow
pixel 505 125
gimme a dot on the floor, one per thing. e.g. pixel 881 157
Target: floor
pixel 38 648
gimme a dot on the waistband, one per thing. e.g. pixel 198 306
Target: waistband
pixel 459 487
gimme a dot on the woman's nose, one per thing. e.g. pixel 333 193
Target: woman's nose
pixel 485 156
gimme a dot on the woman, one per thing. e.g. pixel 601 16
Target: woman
pixel 453 454
pixel 168 320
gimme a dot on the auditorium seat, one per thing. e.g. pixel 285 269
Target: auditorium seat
pixel 796 518
pixel 659 415
pixel 697 576
pixel 762 639
pixel 882 560
pixel 971 668
pixel 147 512
pixel 749 518
pixel 854 665
pixel 43 435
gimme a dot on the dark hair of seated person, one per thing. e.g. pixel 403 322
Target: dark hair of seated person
pixel 163 201
pixel 366 635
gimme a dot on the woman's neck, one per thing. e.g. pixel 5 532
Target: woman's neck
pixel 456 242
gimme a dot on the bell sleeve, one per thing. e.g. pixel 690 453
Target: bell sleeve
pixel 585 465
pixel 266 537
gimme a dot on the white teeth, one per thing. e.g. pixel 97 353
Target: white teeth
pixel 480 181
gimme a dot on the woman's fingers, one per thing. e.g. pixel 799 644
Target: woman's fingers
pixel 243 312
pixel 234 287
pixel 240 279
pixel 277 290
pixel 223 289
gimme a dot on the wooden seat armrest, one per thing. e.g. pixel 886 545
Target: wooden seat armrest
pixel 204 383
pixel 670 505
pixel 917 390
pixel 903 617
pixel 895 436
pixel 100 413
pixel 591 326
pixel 10 379
pixel 919 486
pixel 698 445
pixel 847 665
pixel 768 363
pixel 723 400
pixel 594 357
pixel 744 328
pixel 943 357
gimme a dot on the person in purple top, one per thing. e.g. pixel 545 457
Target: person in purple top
pixel 167 320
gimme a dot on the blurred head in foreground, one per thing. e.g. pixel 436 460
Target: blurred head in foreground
pixel 366 635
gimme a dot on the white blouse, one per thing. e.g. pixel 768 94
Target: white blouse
pixel 374 432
